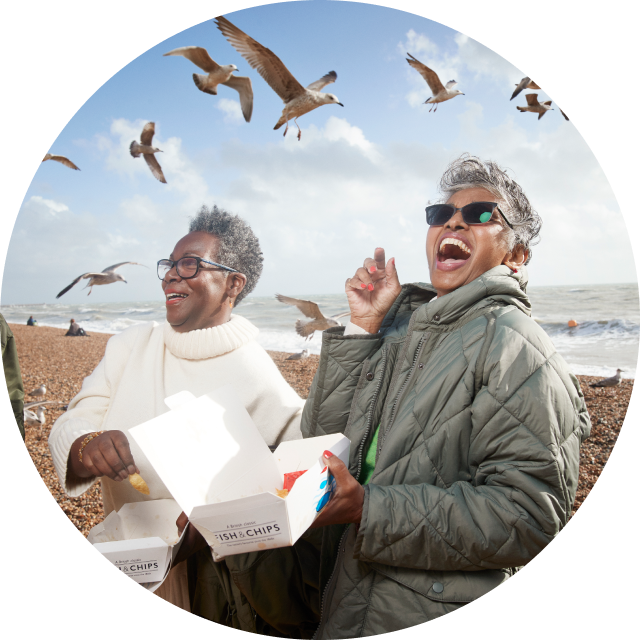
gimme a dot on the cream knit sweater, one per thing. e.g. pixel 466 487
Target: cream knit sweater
pixel 147 363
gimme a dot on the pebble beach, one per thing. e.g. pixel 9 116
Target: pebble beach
pixel 61 363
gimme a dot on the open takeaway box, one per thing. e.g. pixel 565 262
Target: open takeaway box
pixel 214 462
pixel 141 539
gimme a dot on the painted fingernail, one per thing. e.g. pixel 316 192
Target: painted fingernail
pixel 362 285
pixel 370 287
pixel 328 454
pixel 393 261
pixel 373 268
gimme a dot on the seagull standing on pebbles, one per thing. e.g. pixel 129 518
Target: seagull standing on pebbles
pixel 297 100
pixel 217 74
pixel 613 381
pixel 525 83
pixel 534 106
pixel 107 276
pixel 318 321
pixel 440 93
pixel 301 355
pixel 62 160
pixel 40 392
pixel 147 150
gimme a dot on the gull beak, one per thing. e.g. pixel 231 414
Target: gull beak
pixel 340 103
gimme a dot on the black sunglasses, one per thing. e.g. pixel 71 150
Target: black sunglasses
pixel 186 267
pixel 472 213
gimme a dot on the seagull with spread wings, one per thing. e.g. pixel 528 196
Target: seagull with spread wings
pixel 318 322
pixel 147 150
pixel 534 106
pixel 297 100
pixel 440 93
pixel 107 276
pixel 525 83
pixel 217 74
pixel 62 160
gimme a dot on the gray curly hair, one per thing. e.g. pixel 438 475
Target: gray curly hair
pixel 467 172
pixel 238 246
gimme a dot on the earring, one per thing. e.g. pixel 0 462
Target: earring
pixel 514 270
pixel 230 303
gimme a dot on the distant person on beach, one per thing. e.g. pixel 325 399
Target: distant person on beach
pixel 12 373
pixel 31 322
pixel 75 329
pixel 202 346
pixel 465 423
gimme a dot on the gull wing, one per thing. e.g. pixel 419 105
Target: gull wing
pixel 198 55
pixel 155 167
pixel 113 267
pixel 533 85
pixel 65 161
pixel 84 275
pixel 242 85
pixel 326 79
pixel 564 114
pixel 451 83
pixel 532 99
pixel 523 84
pixel 428 74
pixel 267 63
pixel 310 309
pixel 147 133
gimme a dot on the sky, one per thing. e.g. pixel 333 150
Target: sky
pixel 359 178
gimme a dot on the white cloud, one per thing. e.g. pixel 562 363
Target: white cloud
pixel 231 109
pixel 50 206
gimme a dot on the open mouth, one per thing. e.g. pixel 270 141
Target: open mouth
pixel 175 298
pixel 453 253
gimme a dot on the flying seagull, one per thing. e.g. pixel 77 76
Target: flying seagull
pixel 525 83
pixel 217 74
pixel 62 160
pixel 613 381
pixel 107 276
pixel 440 92
pixel 297 100
pixel 301 355
pixel 534 106
pixel 318 321
pixel 147 150
pixel 39 392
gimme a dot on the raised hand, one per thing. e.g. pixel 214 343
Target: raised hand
pixel 372 291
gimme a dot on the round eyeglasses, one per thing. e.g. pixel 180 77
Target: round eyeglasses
pixel 186 267
pixel 472 213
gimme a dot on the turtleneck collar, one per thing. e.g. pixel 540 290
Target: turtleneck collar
pixel 211 342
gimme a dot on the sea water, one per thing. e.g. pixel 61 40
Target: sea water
pixel 605 339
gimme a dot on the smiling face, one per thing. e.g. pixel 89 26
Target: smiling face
pixel 203 301
pixel 459 253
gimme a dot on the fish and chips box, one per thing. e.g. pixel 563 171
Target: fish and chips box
pixel 216 465
pixel 141 539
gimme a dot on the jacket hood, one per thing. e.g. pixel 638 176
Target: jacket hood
pixel 499 284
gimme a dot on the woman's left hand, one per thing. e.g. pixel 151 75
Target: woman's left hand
pixel 345 505
pixel 192 542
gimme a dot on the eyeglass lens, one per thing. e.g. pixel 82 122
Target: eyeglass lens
pixel 185 267
pixel 472 213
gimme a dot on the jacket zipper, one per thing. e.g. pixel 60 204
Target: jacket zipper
pixel 374 401
pixel 324 593
pixel 399 394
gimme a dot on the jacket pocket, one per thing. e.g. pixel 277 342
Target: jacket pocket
pixel 445 586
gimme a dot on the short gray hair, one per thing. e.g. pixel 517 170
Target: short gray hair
pixel 238 246
pixel 468 172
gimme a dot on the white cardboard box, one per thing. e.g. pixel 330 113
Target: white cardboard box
pixel 141 539
pixel 213 460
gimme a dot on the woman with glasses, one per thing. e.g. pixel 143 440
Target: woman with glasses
pixel 201 346
pixel 465 424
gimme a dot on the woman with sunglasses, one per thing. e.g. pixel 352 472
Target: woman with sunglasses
pixel 201 346
pixel 465 424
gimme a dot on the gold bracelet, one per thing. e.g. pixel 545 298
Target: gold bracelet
pixel 86 441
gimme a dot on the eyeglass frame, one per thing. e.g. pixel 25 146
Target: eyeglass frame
pixel 174 263
pixel 456 209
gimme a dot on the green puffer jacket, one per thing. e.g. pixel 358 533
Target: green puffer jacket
pixel 477 460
